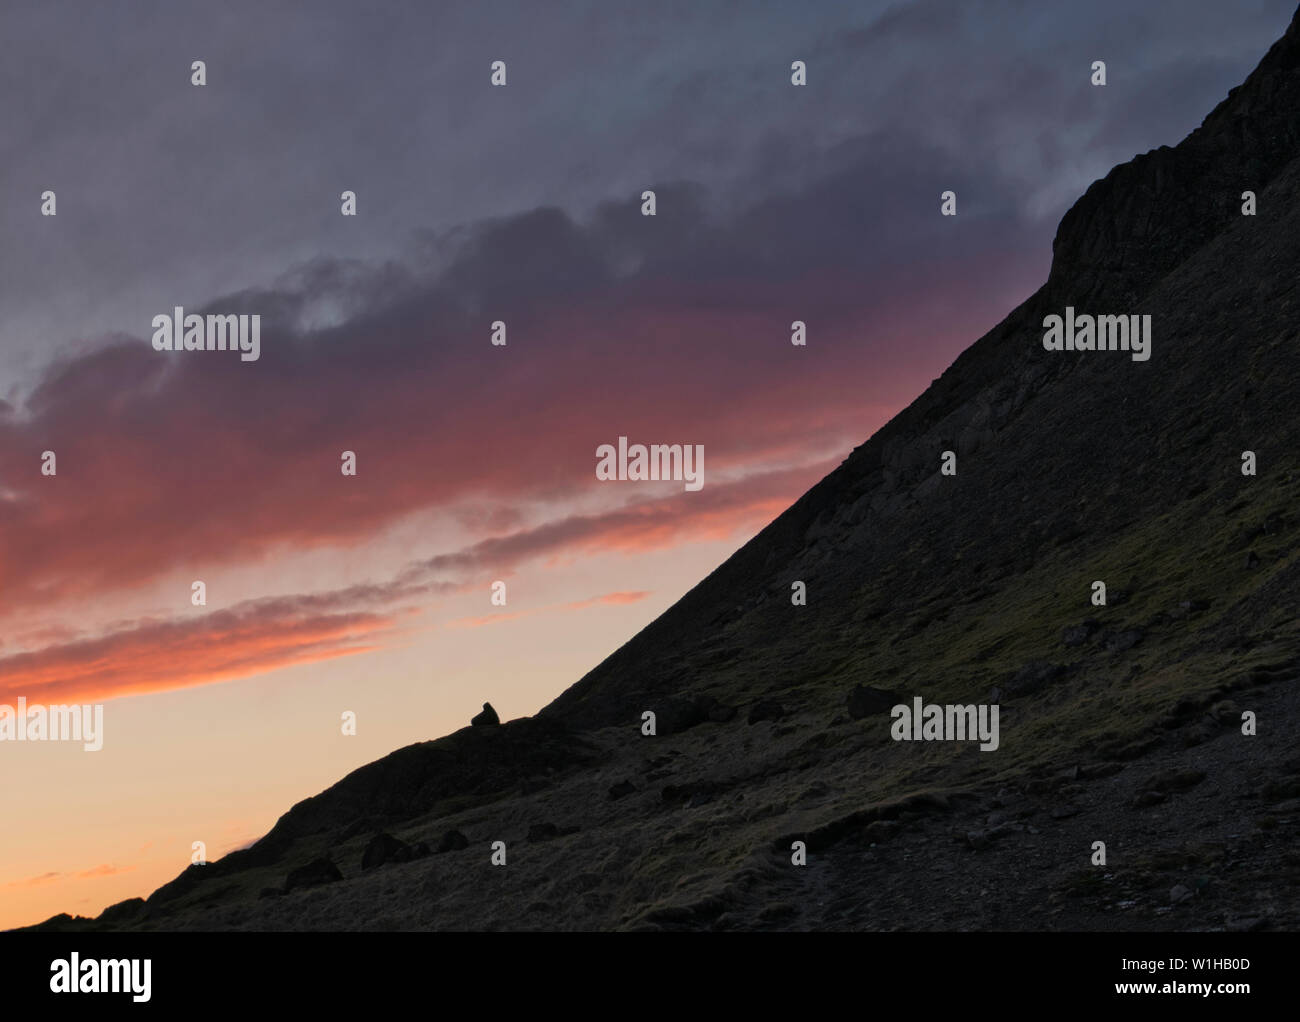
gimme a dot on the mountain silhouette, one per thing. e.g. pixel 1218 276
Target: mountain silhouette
pixel 1120 723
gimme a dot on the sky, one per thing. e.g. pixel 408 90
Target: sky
pixel 371 593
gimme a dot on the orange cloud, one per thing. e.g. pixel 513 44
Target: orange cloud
pixel 263 635
pixel 492 619
pixel 103 871
pixel 157 656
pixel 35 881
pixel 616 598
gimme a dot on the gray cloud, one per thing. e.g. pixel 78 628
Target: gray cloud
pixel 171 194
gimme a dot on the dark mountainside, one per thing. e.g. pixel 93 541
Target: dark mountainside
pixel 1119 723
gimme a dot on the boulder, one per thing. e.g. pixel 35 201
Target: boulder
pixel 620 789
pixel 317 872
pixel 453 841
pixel 678 713
pixel 383 848
pixel 1118 642
pixel 865 701
pixel 1167 781
pixel 1077 635
pixel 1035 675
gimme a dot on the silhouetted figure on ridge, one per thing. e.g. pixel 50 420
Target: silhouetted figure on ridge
pixel 487 717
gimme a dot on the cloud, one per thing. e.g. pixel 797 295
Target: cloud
pixel 261 635
pixel 618 599
pixel 621 598
pixel 93 873
pixel 198 451
pixel 35 881
pixel 715 512
pixel 103 871
pixel 163 655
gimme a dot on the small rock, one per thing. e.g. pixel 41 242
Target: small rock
pixel 542 832
pixel 865 701
pixel 487 718
pixel 1077 635
pixel 1118 642
pixel 621 789
pixel 1174 780
pixel 1226 712
pixel 358 827
pixel 1179 893
pixel 1033 676
pixel 671 914
pixel 1191 607
pixel 778 910
pixel 317 872
pixel 1094 770
pixel 676 714
pixel 879 831
pixel 1283 789
pixel 381 849
pixel 452 841
pixel 1198 735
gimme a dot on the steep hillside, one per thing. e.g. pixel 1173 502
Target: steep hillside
pixel 1120 723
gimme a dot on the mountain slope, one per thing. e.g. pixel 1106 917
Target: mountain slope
pixel 1112 249
pixel 1119 723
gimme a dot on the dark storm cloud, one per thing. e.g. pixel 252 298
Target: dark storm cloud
pixel 170 193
